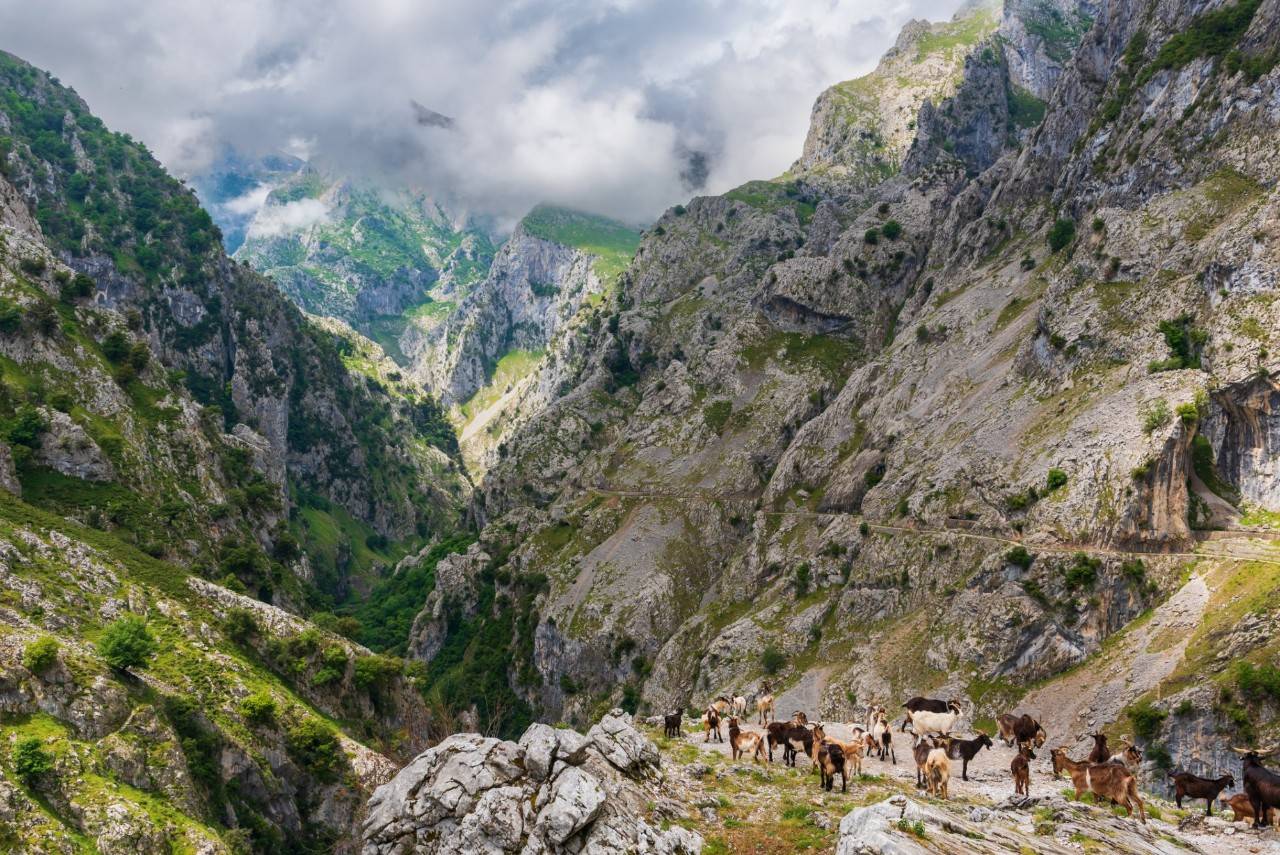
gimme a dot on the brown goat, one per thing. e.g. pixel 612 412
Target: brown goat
pixel 1186 785
pixel 742 743
pixel 831 762
pixel 852 750
pixel 1100 753
pixel 1106 780
pixel 711 723
pixel 937 770
pixel 1021 769
pixel 1239 805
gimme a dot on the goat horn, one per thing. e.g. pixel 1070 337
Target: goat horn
pixel 1241 750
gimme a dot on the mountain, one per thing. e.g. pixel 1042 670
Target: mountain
pixel 491 361
pixel 188 463
pixel 381 260
pixel 940 411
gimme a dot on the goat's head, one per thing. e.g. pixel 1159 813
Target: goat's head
pixel 733 722
pixel 954 706
pixel 1041 736
pixel 984 740
pixel 1025 750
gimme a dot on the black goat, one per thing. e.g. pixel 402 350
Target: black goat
pixel 965 750
pixel 1100 752
pixel 672 722
pixel 793 738
pixel 1260 784
pixel 1194 787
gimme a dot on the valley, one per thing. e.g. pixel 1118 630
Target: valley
pixel 340 518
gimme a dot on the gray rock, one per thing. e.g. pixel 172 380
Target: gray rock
pixel 621 744
pixel 576 798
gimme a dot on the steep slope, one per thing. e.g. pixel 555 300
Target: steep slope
pixel 168 386
pixel 378 259
pixel 497 360
pixel 948 431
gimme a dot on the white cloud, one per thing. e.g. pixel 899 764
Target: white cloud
pixel 289 218
pixel 249 203
pixel 584 102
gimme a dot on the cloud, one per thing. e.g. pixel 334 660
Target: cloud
pixel 289 218
pixel 595 103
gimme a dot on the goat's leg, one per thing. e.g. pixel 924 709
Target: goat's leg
pixel 964 769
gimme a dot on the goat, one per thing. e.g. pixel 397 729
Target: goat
pixel 852 750
pixel 882 733
pixel 937 770
pixel 920 753
pixel 722 704
pixel 1240 807
pixel 739 706
pixel 830 761
pixel 1261 784
pixel 1194 787
pixel 711 723
pixel 1099 754
pixel 792 737
pixel 764 707
pixel 798 717
pixel 874 711
pixel 1061 761
pixel 1023 728
pixel 742 743
pixel 919 704
pixel 932 722
pixel 672 722
pixel 1020 767
pixel 1107 780
pixel 1130 757
pixel 965 750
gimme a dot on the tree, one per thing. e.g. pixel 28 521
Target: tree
pixel 30 760
pixel 891 229
pixel 126 643
pixel 772 659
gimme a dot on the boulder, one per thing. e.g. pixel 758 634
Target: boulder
pixel 555 791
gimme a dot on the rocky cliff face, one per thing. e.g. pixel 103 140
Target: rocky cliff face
pixel 921 416
pixel 508 350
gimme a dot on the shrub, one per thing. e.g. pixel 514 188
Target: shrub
pixel 316 748
pixel 567 685
pixel 39 655
pixel 1258 682
pixel 126 643
pixel 1019 557
pixel 1083 571
pixel 1156 415
pixel 801 580
pixel 872 236
pixel 891 229
pixel 772 659
pixel 630 701
pixel 1157 753
pixel 1188 413
pixel 240 625
pixel 1147 720
pixel 1056 478
pixel 1098 224
pixel 1061 234
pixel 864 529
pixel 259 708
pixel 30 760
pixel 375 671
pixel 115 347
pixel 1184 708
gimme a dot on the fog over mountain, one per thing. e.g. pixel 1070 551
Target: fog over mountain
pixel 622 108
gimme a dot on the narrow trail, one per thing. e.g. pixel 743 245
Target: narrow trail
pixel 1227 545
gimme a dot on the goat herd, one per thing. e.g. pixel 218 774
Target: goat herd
pixel 1111 777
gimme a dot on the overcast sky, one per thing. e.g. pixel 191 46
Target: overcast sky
pixel 597 105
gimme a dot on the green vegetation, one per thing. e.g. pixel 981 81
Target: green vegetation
pixel 1147 720
pixel 1258 682
pixel 259 709
pixel 772 659
pixel 1213 34
pixel 1060 31
pixel 40 655
pixel 716 415
pixel 514 366
pixel 961 34
pixel 1083 571
pixel 1061 234
pixel 315 746
pixel 775 196
pixel 31 761
pixel 1025 109
pixel 892 229
pixel 1055 479
pixel 613 243
pixel 126 643
pixel 1185 341
pixel 1018 556
pixel 1155 415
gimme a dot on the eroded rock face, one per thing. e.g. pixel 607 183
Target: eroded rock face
pixel 554 791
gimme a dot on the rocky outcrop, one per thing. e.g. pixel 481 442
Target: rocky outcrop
pixel 554 791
